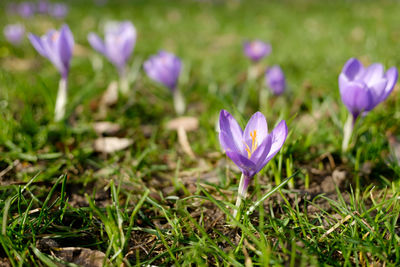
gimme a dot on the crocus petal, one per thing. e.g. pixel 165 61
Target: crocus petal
pixel 278 136
pixel 168 67
pixel 50 43
pixel 129 39
pixel 164 68
pixel 158 72
pixel 96 42
pixel 391 76
pixel 66 31
pixel 377 89
pixel 229 126
pixel 373 74
pixel 357 98
pixel 257 123
pixel 65 46
pixel 275 79
pixel 37 44
pixel 113 53
pixel 245 165
pixel 352 69
pixel 228 143
pixel 343 82
pixel 260 154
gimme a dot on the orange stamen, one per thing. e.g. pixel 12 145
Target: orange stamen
pixel 254 144
pixel 55 36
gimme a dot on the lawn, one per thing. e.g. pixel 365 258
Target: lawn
pixel 155 198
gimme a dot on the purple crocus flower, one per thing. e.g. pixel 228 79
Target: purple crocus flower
pixel 56 46
pixel 26 9
pixel 119 41
pixel 164 68
pixel 256 50
pixel 275 80
pixel 252 148
pixel 42 6
pixel 14 33
pixel 58 10
pixel 362 88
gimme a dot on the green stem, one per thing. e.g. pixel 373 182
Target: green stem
pixel 179 102
pixel 61 101
pixel 347 131
pixel 124 83
pixel 242 191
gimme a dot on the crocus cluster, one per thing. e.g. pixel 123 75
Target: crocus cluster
pixel 362 89
pixel 274 76
pixel 117 47
pixel 165 68
pixel 252 148
pixel 57 46
pixel 14 33
pixel 28 9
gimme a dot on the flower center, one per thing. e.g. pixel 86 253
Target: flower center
pixel 256 47
pixel 254 144
pixel 55 36
pixel 117 38
pixel 164 60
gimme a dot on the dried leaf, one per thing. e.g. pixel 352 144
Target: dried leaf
pixel 187 123
pixel 106 127
pixel 111 144
pixel 394 145
pixel 183 141
pixel 80 256
pixel 18 64
pixel 4 262
pixel 110 96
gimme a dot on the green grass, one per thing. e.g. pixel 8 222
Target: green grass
pixel 151 204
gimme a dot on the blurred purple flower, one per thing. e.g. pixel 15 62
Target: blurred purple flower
pixel 42 6
pixel 26 9
pixel 275 80
pixel 256 50
pixel 252 148
pixel 58 10
pixel 164 68
pixel 362 88
pixel 57 46
pixel 119 41
pixel 14 33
